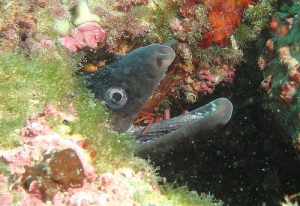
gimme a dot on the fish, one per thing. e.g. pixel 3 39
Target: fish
pixel 127 84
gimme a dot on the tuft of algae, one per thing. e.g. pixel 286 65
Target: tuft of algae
pixel 255 19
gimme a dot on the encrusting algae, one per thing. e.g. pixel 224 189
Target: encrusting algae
pixel 35 71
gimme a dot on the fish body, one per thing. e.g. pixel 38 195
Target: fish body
pixel 128 84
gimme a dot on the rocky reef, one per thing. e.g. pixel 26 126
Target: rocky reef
pixel 280 67
pixel 53 167
pixel 67 153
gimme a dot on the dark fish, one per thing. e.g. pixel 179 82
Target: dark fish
pixel 126 86
pixel 175 134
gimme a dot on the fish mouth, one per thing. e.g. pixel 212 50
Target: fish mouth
pixel 128 84
pixel 165 56
pixel 174 134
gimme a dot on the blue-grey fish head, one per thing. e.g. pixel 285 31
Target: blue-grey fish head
pixel 126 85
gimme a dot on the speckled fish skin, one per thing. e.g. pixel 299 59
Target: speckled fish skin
pixel 138 73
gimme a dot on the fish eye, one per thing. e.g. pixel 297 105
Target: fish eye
pixel 116 97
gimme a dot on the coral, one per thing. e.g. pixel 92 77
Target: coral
pixel 266 84
pixel 20 27
pixel 87 35
pixel 224 16
pixel 60 170
pixel 280 67
pixel 40 140
pixel 123 30
pixel 206 82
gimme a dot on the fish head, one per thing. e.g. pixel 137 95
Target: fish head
pixel 127 85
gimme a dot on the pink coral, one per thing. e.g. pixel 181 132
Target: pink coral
pixel 175 25
pixel 230 73
pixel 41 42
pixel 5 197
pixel 207 83
pixel 39 139
pixel 87 35
pixel 188 8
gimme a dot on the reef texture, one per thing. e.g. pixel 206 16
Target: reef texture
pixel 280 65
pixel 207 35
pixel 54 168
pixel 49 162
pixel 203 33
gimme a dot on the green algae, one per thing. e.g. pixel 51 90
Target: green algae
pixel 255 19
pixel 280 67
pixel 30 82
pixel 26 85
pixel 182 196
pixel 158 15
pixel 4 168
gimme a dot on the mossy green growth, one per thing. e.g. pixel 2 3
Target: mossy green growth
pixel 158 14
pixel 27 84
pixel 171 196
pixel 182 196
pixel 230 54
pixel 255 19
pixel 4 168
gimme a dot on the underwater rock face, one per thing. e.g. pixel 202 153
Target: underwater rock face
pixel 61 170
pixel 54 168
pixel 280 66
pixel 46 163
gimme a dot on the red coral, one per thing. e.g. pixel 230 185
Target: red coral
pixel 295 73
pixel 261 64
pixel 224 17
pixel 188 8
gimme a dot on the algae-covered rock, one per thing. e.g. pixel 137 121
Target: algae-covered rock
pixel 35 72
pixel 280 65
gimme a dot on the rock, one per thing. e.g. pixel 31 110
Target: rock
pixel 58 171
